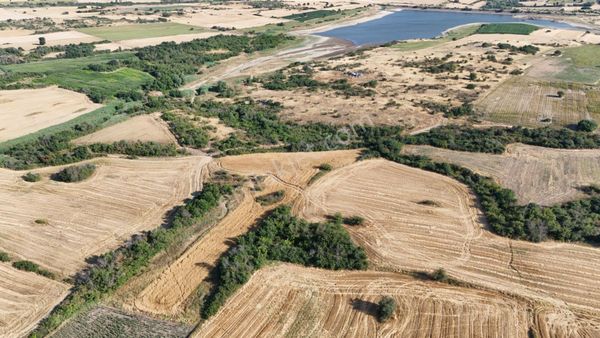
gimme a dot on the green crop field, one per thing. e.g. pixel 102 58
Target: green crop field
pixel 583 64
pixel 507 28
pixel 453 34
pixel 107 83
pixel 66 65
pixel 140 31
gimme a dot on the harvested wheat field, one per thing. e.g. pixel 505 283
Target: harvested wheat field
pixel 537 175
pixel 78 220
pixel 287 300
pixel 527 102
pixel 52 106
pixel 289 172
pixel 421 221
pixel 28 42
pixel 25 298
pixel 143 128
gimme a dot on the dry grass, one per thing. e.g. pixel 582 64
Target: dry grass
pixel 25 111
pixel 403 234
pixel 291 301
pixel 289 172
pixel 91 217
pixel 402 87
pixel 143 128
pixel 25 298
pixel 528 102
pixel 537 175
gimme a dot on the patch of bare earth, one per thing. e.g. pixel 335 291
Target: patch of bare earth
pixel 78 220
pixel 20 115
pixel 421 221
pixel 143 128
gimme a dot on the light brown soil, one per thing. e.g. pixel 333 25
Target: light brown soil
pixel 52 105
pixel 404 233
pixel 284 171
pixel 286 300
pixel 143 128
pixel 91 217
pixel 138 43
pixel 537 175
pixel 25 298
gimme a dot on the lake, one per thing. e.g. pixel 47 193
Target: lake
pixel 421 24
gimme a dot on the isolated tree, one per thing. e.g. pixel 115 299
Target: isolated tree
pixel 386 309
pixel 560 94
pixel 473 76
pixel 42 40
pixel 440 275
pixel 587 125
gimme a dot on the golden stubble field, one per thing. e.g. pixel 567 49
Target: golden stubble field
pixel 143 128
pixel 537 175
pixel 167 294
pixel 20 115
pixel 25 298
pixel 404 232
pixel 78 220
pixel 287 300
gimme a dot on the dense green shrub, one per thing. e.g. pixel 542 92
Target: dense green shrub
pixel 31 177
pixel 494 140
pixel 354 220
pixel 75 173
pixel 283 237
pixel 587 125
pixel 186 132
pixel 386 308
pixel 4 257
pixel 32 267
pixel 271 198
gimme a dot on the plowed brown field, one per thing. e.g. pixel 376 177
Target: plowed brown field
pixel 541 175
pixel 25 298
pixel 403 233
pixel 292 301
pixel 90 217
pixel 284 171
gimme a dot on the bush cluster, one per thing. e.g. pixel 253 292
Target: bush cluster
pixel 74 173
pixel 283 237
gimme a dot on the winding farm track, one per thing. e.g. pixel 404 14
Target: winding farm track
pixel 291 301
pixel 91 217
pixel 290 172
pixel 540 175
pixel 403 234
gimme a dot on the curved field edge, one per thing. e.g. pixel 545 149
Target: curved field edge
pixel 420 221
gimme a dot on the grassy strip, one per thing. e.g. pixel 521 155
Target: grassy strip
pixel 452 35
pixel 140 31
pixel 115 268
pixel 507 28
pixel 67 65
pixel 306 16
pixel 283 237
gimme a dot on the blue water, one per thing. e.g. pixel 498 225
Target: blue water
pixel 421 24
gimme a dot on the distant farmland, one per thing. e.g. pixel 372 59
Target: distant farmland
pixel 528 102
pixel 140 31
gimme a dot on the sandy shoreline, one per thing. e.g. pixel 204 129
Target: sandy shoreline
pixel 380 13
